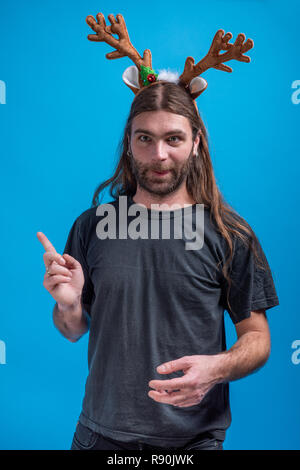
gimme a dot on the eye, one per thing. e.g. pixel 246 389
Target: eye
pixel 172 137
pixel 143 136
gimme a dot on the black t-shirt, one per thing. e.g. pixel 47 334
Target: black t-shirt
pixel 152 300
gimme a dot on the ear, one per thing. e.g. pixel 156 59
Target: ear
pixel 196 142
pixel 197 86
pixel 131 78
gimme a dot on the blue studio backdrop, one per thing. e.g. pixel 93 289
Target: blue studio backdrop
pixel 63 107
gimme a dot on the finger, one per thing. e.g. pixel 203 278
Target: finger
pixel 168 398
pixel 175 398
pixel 45 242
pixel 173 366
pixel 159 397
pixel 56 269
pixel 178 396
pixel 170 385
pixel 50 257
pixel 52 281
pixel 162 393
pixel 186 404
pixel 189 400
pixel 70 261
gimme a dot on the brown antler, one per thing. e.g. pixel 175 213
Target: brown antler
pixel 122 45
pixel 214 59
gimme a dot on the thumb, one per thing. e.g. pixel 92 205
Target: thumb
pixel 172 366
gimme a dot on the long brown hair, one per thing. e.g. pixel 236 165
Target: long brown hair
pixel 201 183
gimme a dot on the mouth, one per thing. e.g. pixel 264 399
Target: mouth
pixel 160 173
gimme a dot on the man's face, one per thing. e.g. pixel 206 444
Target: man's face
pixel 162 148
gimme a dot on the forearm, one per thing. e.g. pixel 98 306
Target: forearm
pixel 249 353
pixel 70 321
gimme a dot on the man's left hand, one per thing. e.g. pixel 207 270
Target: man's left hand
pixel 201 373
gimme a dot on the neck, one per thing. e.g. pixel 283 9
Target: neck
pixel 179 197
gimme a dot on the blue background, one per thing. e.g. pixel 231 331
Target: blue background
pixel 66 107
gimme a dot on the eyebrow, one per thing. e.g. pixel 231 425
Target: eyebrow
pixel 174 131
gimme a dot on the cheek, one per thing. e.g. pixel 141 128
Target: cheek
pixel 140 150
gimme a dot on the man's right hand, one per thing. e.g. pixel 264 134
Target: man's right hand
pixel 64 278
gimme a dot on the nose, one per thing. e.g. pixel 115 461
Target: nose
pixel 160 152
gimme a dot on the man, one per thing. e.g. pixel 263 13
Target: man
pixel 158 365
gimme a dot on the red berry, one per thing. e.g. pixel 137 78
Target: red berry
pixel 151 77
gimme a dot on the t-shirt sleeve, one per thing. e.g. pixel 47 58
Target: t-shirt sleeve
pixel 75 248
pixel 252 287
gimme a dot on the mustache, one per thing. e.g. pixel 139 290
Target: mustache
pixel 160 169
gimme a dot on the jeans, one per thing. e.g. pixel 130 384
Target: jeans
pixel 86 439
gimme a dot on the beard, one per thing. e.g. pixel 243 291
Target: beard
pixel 160 185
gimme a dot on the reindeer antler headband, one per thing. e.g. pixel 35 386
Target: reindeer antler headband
pixel 141 74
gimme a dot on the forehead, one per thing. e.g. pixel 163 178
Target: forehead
pixel 161 122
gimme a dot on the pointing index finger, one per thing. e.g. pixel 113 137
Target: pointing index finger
pixel 45 242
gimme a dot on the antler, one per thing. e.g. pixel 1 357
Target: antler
pixel 122 45
pixel 214 59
